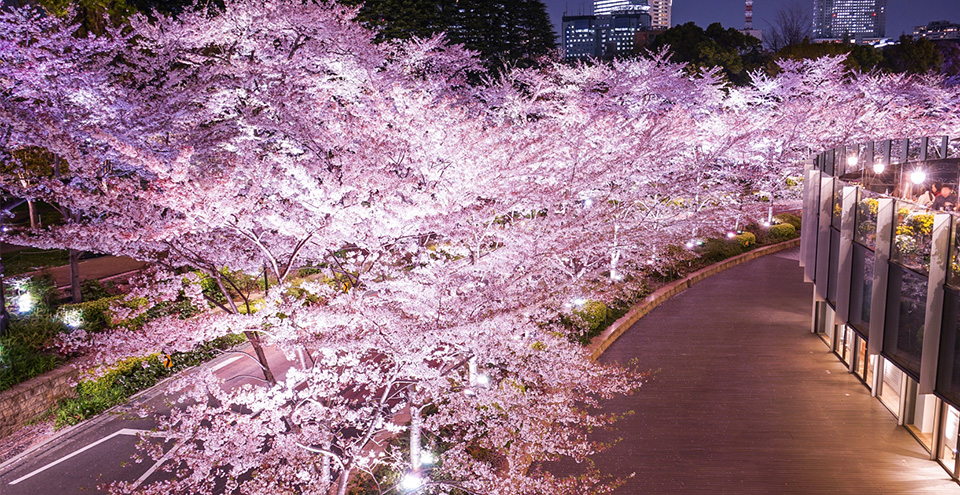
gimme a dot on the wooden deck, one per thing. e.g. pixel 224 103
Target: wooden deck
pixel 747 400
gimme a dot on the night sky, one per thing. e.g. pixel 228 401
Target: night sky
pixel 902 15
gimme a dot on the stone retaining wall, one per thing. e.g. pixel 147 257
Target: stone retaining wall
pixel 33 398
pixel 601 342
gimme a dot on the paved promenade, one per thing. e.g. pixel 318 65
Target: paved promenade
pixel 93 269
pixel 747 401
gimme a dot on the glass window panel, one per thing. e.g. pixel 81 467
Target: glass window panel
pixel 916 145
pixel 953 148
pixel 953 274
pixel 896 147
pixel 912 236
pixel 837 211
pixel 890 387
pixel 833 267
pixel 906 311
pixel 948 366
pixel 920 413
pixel 866 219
pixel 948 438
pixel 848 344
pixel 860 363
pixel 861 288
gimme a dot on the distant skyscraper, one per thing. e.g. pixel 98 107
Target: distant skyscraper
pixel 659 10
pixel 596 36
pixel 660 13
pixel 938 30
pixel 856 19
pixel 606 7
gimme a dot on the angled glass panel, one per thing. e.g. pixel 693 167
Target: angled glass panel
pixel 912 236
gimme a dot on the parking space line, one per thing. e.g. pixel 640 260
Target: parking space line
pixel 124 431
pixel 144 476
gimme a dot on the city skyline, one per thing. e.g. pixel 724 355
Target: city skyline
pixel 902 16
pixel 857 19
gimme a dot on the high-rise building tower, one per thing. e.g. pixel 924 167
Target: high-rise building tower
pixel 853 19
pixel 603 36
pixel 603 7
pixel 659 10
pixel 660 13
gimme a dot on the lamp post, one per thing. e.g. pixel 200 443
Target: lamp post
pixel 4 316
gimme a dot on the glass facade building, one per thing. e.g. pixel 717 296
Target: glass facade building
pixel 886 274
pixel 938 30
pixel 849 19
pixel 596 36
pixel 660 10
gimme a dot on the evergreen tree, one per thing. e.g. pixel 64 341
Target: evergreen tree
pixel 505 33
pixel 916 57
pixel 734 52
pixel 403 19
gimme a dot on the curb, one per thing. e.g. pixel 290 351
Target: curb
pixel 129 273
pixel 109 414
pixel 602 342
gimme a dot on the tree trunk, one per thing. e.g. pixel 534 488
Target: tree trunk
pixel 32 211
pixel 325 469
pixel 415 425
pixel 254 339
pixel 344 481
pixel 75 295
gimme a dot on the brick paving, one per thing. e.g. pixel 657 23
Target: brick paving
pixel 746 400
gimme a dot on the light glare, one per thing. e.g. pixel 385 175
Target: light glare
pixel 411 482
pixel 24 302
pixel 918 176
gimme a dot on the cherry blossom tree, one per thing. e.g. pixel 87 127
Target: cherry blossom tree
pixel 450 224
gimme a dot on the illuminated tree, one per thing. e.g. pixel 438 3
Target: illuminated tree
pixel 450 224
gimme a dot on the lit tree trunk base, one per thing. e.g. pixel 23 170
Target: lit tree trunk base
pixel 75 295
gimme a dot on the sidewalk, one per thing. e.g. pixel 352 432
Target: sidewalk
pixel 93 269
pixel 745 400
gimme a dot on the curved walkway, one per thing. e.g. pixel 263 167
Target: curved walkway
pixel 746 400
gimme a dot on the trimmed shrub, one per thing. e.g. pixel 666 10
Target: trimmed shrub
pixel 783 231
pixel 788 218
pixel 95 316
pixel 91 290
pixel 746 240
pixel 719 249
pixel 594 313
pixel 129 377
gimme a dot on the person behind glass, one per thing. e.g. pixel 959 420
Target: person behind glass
pixel 930 195
pixel 947 200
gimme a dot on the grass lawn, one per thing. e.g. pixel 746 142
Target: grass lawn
pixel 28 260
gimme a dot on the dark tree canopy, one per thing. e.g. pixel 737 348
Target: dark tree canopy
pixel 505 33
pixel 913 56
pixel 734 52
pixel 860 58
pixel 93 16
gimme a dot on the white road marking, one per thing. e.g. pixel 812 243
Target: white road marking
pixel 154 467
pixel 124 431
pixel 226 363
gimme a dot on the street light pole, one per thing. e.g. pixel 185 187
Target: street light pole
pixel 4 316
